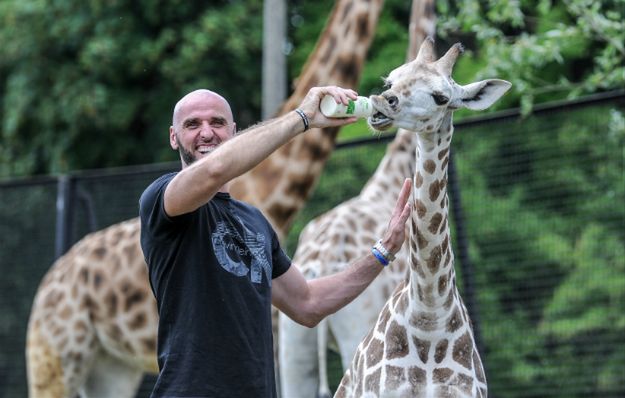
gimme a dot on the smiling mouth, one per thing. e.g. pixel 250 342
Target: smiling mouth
pixel 380 121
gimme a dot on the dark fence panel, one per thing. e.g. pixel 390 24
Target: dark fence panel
pixel 544 209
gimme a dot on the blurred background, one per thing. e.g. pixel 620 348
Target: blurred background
pixel 86 94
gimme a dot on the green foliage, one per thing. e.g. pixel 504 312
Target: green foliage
pixel 91 84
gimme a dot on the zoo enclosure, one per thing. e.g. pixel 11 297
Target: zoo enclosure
pixel 542 200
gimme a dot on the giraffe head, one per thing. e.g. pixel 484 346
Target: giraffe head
pixel 421 92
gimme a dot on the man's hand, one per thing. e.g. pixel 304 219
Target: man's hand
pixel 310 106
pixel 395 233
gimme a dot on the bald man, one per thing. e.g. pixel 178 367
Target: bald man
pixel 215 263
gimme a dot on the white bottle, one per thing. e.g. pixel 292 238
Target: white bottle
pixel 360 107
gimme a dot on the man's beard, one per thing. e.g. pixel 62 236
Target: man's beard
pixel 187 157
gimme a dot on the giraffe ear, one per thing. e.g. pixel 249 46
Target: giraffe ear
pixel 481 95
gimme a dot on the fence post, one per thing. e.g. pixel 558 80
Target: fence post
pixel 64 215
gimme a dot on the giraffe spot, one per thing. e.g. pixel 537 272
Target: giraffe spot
pixel 426 321
pixel 479 369
pixel 418 180
pixel 52 299
pixel 375 350
pixel 434 190
pixel 138 321
pixel 402 304
pixel 463 350
pixel 384 317
pixel 438 143
pixel 97 280
pixel 417 377
pixel 442 375
pixel 463 382
pixel 443 225
pixel 442 284
pixel 445 244
pixel 421 241
pixel 396 343
pixel 442 183
pixel 84 275
pixel 429 166
pixel 440 351
pixel 434 261
pixel 367 339
pixel 435 222
pixel 449 300
pixel 395 377
pixel 114 332
pixel 454 321
pixel 372 382
pixel 133 298
pixel 149 344
pixel 63 343
pixel 65 313
pixel 299 186
pixel 423 348
pixel 111 303
pixel 129 347
pixel 444 164
pixel 99 252
pixel 280 212
pixel 419 206
pixel 443 153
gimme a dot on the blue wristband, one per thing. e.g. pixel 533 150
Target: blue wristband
pixel 379 256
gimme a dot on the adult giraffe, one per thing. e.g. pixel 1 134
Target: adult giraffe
pixel 344 232
pixel 422 344
pixel 92 328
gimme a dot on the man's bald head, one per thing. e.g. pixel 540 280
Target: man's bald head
pixel 201 96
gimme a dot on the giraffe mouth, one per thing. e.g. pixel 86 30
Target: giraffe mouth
pixel 380 121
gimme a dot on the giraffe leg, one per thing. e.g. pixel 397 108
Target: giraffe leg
pixel 322 349
pixel 44 367
pixel 298 359
pixel 111 378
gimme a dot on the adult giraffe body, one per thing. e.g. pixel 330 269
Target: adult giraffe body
pixel 422 344
pixel 92 327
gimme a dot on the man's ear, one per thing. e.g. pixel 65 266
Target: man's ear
pixel 172 139
pixel 481 95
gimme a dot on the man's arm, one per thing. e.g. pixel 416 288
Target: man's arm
pixel 197 184
pixel 308 302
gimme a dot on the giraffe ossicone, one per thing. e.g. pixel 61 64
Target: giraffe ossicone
pixel 422 344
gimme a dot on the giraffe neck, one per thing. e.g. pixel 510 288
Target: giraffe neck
pixel 432 277
pixel 281 184
pixel 397 164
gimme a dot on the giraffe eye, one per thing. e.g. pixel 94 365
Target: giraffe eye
pixel 440 99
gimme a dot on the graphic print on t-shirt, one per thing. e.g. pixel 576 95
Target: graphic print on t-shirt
pixel 238 255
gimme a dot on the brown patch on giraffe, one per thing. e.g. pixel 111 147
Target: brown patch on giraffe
pixel 449 300
pixel 440 351
pixel 435 260
pixel 442 183
pixel 423 348
pixel 298 186
pixel 65 313
pixel 138 321
pixel 372 382
pixel 442 375
pixel 395 377
pixel 442 284
pixel 402 304
pixel 463 382
pixel 374 352
pixel 149 344
pixel 434 190
pixel 426 321
pixel 396 344
pixel 435 222
pixel 443 225
pixel 429 166
pixel 443 153
pixel 111 303
pixel 98 253
pixel 384 317
pixel 52 299
pixel 479 369
pixel 84 276
pixel 444 164
pixel 445 245
pixel 418 180
pixel 132 298
pixel 281 212
pixel 463 350
pixel 417 377
pixel 421 241
pixel 367 339
pixel 419 206
pixel 454 322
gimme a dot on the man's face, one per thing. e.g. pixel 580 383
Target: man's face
pixel 202 121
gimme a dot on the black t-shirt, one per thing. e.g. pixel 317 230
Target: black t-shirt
pixel 211 273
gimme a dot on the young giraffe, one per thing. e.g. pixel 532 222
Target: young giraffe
pixel 348 230
pixel 93 323
pixel 422 344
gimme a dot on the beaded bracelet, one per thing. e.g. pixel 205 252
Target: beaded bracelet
pixel 304 118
